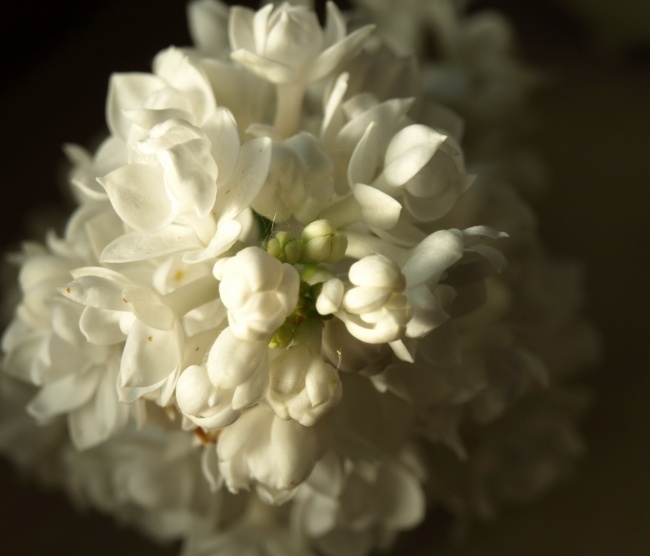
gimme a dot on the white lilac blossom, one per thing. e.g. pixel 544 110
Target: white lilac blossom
pixel 300 299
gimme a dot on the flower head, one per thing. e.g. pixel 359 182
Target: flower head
pixel 283 297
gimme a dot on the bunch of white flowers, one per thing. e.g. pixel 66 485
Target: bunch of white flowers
pixel 278 320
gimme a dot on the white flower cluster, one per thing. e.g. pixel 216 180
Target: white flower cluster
pixel 277 319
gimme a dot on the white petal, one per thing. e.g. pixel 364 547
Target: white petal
pixel 429 208
pixel 386 331
pixel 401 499
pixel 221 130
pixel 330 297
pixel 327 476
pixel 364 299
pixel 189 171
pixel 251 428
pixel 102 229
pixel 101 327
pixel 402 352
pixel 252 391
pixel 148 308
pixel 138 246
pixel 378 208
pixel 428 313
pixel 137 193
pixel 227 233
pixel 271 70
pixel 433 255
pixel 240 27
pixel 232 361
pixel 101 292
pixel 182 73
pixel 65 320
pixel 246 180
pixel 293 451
pixel 321 381
pixel 478 234
pixel 319 514
pixel 208 23
pixel 409 151
pixel 63 395
pixel 335 28
pixel 377 271
pixel 363 162
pixel 103 416
pixel 332 103
pixel 199 399
pixel 386 115
pixel 330 58
pixel 126 91
pixel 150 355
pixel 148 118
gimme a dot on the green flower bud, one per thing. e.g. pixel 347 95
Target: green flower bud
pixel 322 243
pixel 283 246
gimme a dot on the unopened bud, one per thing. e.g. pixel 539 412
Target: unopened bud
pixel 284 246
pixel 322 243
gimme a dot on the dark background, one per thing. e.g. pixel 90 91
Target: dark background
pixel 592 120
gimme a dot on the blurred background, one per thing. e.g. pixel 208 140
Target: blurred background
pixel 592 120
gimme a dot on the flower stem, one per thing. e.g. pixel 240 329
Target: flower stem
pixel 289 99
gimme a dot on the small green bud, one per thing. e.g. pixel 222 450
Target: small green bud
pixel 322 243
pixel 283 246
